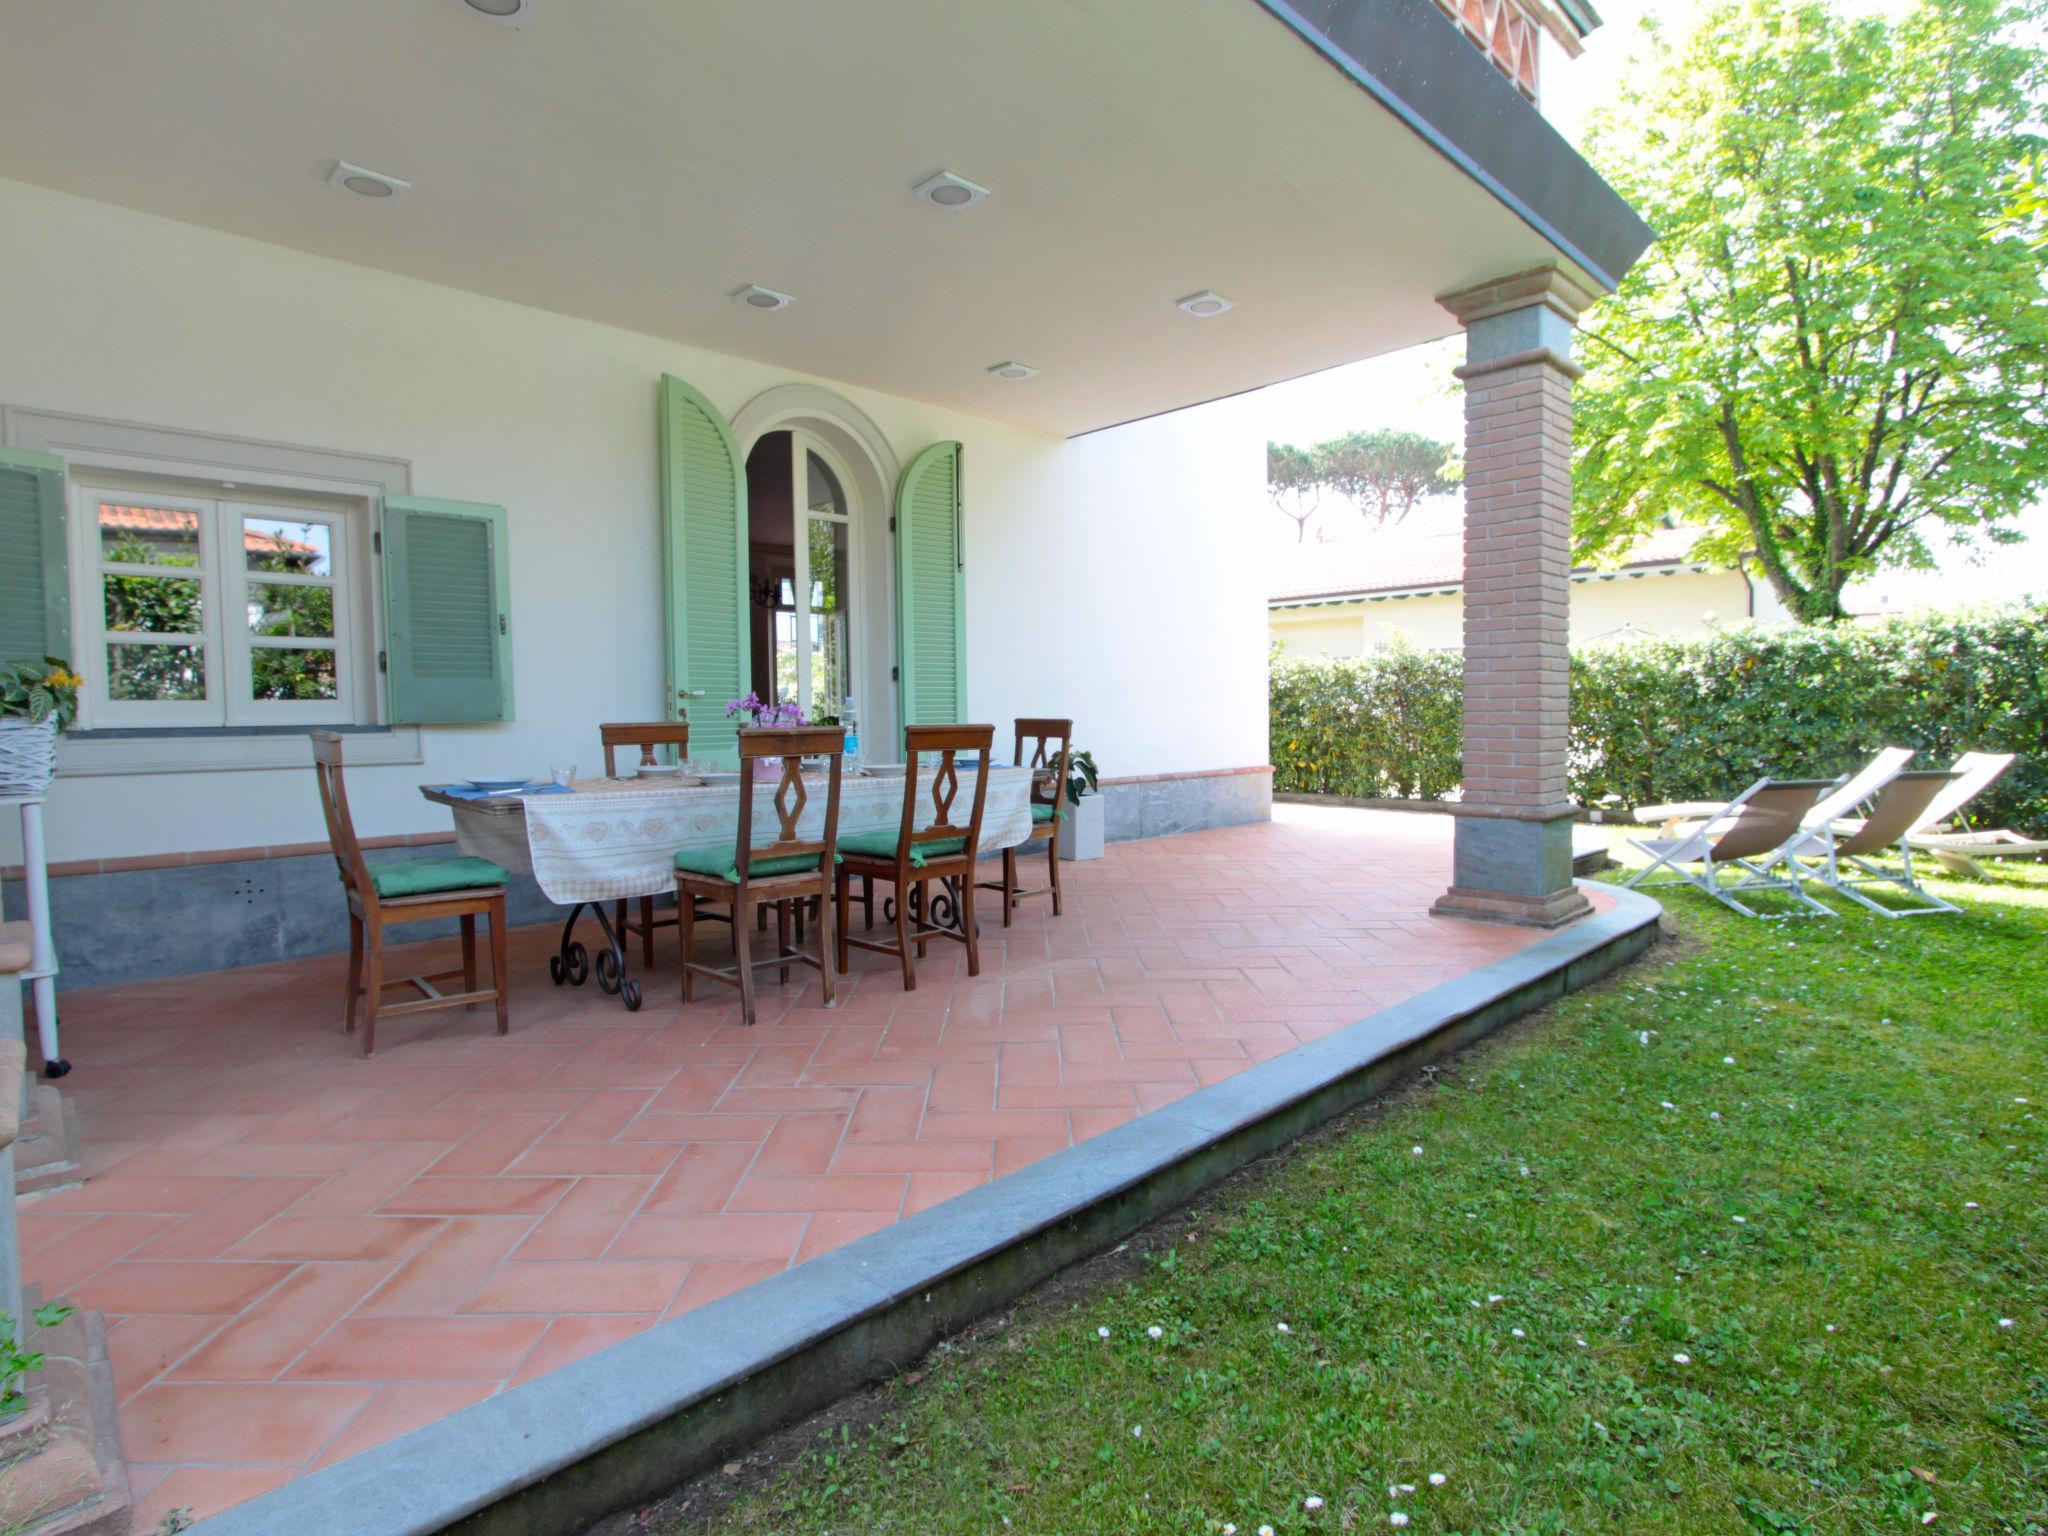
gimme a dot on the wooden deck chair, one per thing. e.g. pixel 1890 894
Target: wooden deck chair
pixel 1842 856
pixel 1958 851
pixel 1748 834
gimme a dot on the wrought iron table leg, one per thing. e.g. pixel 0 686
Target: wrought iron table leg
pixel 572 963
pixel 611 963
pixel 945 905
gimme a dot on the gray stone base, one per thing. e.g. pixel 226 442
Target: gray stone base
pixel 1510 871
pixel 44 1157
pixel 1160 807
pixel 137 925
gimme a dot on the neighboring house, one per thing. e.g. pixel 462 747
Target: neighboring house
pixel 1358 595
pixel 1510 32
pixel 617 364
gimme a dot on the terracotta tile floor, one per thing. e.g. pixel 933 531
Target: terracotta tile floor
pixel 302 1253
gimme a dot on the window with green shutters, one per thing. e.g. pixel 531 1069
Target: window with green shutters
pixel 931 589
pixel 35 591
pixel 704 546
pixel 447 619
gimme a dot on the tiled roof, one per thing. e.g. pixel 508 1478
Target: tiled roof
pixel 148 520
pixel 1405 559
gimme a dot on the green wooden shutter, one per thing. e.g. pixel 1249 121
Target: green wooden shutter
pixel 35 580
pixel 931 605
pixel 447 611
pixel 704 563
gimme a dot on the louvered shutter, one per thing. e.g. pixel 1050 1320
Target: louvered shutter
pixel 35 582
pixel 704 556
pixel 931 609
pixel 447 620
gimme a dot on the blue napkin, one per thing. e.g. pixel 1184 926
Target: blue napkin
pixel 464 792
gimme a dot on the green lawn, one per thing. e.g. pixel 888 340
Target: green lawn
pixel 1724 1245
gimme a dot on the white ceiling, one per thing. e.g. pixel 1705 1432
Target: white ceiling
pixel 633 161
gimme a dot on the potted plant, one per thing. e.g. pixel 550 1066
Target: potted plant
pixel 37 700
pixel 1081 826
pixel 773 715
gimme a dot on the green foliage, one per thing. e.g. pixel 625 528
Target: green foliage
pixel 1838 345
pixel 1081 776
pixel 1383 473
pixel 1659 720
pixel 1385 725
pixel 16 1362
pixel 1682 720
pixel 1293 483
pixel 39 691
pixel 1719 1248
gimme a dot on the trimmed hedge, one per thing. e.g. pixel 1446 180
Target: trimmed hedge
pixel 1660 720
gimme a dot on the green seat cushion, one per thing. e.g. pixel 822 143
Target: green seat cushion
pixel 723 863
pixel 1042 813
pixel 882 845
pixel 424 877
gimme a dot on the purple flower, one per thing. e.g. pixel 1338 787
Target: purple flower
pixel 779 713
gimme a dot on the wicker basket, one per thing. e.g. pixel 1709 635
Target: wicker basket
pixel 28 756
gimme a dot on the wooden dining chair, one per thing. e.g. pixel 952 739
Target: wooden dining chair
pixel 647 737
pixel 780 873
pixel 407 892
pixel 1052 745
pixel 945 851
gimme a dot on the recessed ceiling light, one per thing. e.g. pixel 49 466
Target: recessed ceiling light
pixel 754 296
pixel 1204 304
pixel 1013 371
pixel 367 183
pixel 507 13
pixel 950 192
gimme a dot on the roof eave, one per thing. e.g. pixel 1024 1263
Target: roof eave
pixel 1450 589
pixel 1413 59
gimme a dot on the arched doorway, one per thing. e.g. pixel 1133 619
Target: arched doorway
pixel 803 567
pixel 864 469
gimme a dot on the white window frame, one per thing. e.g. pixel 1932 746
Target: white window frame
pixel 346 530
pixel 214 463
pixel 90 637
pixel 224 577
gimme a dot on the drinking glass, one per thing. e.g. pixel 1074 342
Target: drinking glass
pixel 562 773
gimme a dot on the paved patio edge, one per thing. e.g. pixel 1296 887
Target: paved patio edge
pixel 622 1425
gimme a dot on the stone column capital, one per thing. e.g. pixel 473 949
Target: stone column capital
pixel 1551 286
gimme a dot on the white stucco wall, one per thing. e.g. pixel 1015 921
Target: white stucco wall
pixel 1112 577
pixel 1686 604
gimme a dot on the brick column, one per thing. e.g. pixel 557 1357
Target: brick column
pixel 1514 831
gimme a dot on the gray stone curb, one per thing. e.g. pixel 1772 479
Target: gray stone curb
pixel 621 1426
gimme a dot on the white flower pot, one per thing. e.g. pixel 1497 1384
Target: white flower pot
pixel 28 755
pixel 1081 829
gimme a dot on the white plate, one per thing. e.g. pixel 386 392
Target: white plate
pixel 496 786
pixel 659 771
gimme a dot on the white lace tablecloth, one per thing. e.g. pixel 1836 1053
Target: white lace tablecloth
pixel 612 839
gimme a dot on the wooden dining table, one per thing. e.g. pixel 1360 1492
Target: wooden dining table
pixel 594 842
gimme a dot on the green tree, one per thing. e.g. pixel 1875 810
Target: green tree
pixel 1385 472
pixel 1838 344
pixel 1294 484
